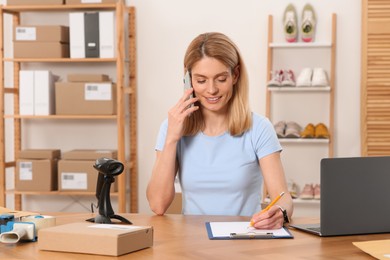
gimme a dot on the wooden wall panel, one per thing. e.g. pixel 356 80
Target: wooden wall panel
pixel 375 81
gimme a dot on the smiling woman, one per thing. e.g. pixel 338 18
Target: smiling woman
pixel 220 150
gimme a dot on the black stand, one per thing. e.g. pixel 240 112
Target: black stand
pixel 106 213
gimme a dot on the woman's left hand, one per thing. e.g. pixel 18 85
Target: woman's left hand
pixel 270 219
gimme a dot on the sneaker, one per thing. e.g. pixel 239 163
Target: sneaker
pixel 276 80
pixel 304 78
pixel 292 189
pixel 320 78
pixel 307 192
pixel 280 127
pixel 293 130
pixel 309 131
pixel 321 131
pixel 290 23
pixel 317 192
pixel 288 79
pixel 308 23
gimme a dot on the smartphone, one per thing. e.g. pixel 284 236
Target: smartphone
pixel 187 83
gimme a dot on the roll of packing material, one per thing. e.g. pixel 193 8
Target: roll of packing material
pixel 40 221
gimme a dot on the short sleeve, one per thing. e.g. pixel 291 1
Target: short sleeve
pixel 162 134
pixel 264 137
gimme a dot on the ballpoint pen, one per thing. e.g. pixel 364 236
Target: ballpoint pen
pixel 270 205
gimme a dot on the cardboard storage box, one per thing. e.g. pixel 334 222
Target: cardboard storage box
pixel 85 98
pixel 35 2
pixel 36 170
pixel 98 239
pixel 88 78
pixel 41 33
pixel 77 175
pixel 87 154
pixel 39 154
pixel 40 50
pixel 36 175
pixel 77 2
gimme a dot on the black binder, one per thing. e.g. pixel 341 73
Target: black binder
pixel 91 33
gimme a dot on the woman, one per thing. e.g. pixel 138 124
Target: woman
pixel 221 151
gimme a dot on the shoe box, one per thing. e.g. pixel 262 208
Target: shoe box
pixel 75 2
pixel 102 239
pixel 76 171
pixel 44 41
pixel 84 98
pixel 35 2
pixel 36 170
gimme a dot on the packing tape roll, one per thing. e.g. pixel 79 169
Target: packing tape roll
pixel 40 221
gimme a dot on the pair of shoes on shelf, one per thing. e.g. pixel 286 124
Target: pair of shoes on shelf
pixel 282 78
pixel 308 23
pixel 287 129
pixel 316 77
pixel 311 191
pixel 318 131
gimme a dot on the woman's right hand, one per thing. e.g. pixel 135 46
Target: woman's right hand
pixel 178 113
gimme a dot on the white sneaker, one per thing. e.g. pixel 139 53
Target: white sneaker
pixel 320 78
pixel 304 79
pixel 290 24
pixel 308 26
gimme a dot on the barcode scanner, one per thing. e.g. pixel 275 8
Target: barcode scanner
pixel 108 169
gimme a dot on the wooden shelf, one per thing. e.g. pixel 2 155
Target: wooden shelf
pixel 63 117
pixel 58 193
pixel 56 8
pixel 65 60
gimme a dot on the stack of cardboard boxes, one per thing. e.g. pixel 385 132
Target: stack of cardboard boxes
pixel 45 170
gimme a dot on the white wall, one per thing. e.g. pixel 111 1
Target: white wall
pixel 165 28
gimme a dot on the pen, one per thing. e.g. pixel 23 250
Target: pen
pixel 270 205
pixel 250 235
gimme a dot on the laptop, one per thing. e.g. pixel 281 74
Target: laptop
pixel 355 197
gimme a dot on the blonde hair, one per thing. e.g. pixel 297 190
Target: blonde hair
pixel 220 47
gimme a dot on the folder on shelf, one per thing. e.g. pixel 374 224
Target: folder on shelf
pixel 107 34
pixel 91 34
pixel 43 93
pixel 242 230
pixel 76 35
pixel 26 92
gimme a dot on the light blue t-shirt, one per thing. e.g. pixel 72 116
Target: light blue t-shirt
pixel 220 175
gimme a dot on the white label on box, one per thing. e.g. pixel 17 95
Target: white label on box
pixel 25 171
pixel 97 91
pixel 74 181
pixel 26 34
pixel 120 227
pixel 90 1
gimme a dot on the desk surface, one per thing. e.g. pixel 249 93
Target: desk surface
pixel 185 237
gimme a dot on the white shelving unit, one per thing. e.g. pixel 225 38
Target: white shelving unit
pixel 301 157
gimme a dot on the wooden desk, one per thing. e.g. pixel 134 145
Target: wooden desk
pixel 185 237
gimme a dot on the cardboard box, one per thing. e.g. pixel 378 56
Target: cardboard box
pixel 26 92
pixel 40 50
pixel 77 2
pixel 77 175
pixel 36 175
pixel 85 98
pixel 89 154
pixel 88 78
pixel 39 154
pixel 42 33
pixel 98 239
pixel 43 92
pixel 35 2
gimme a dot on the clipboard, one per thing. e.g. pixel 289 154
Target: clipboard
pixel 242 230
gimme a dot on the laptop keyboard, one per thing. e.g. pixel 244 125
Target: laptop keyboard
pixel 315 229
